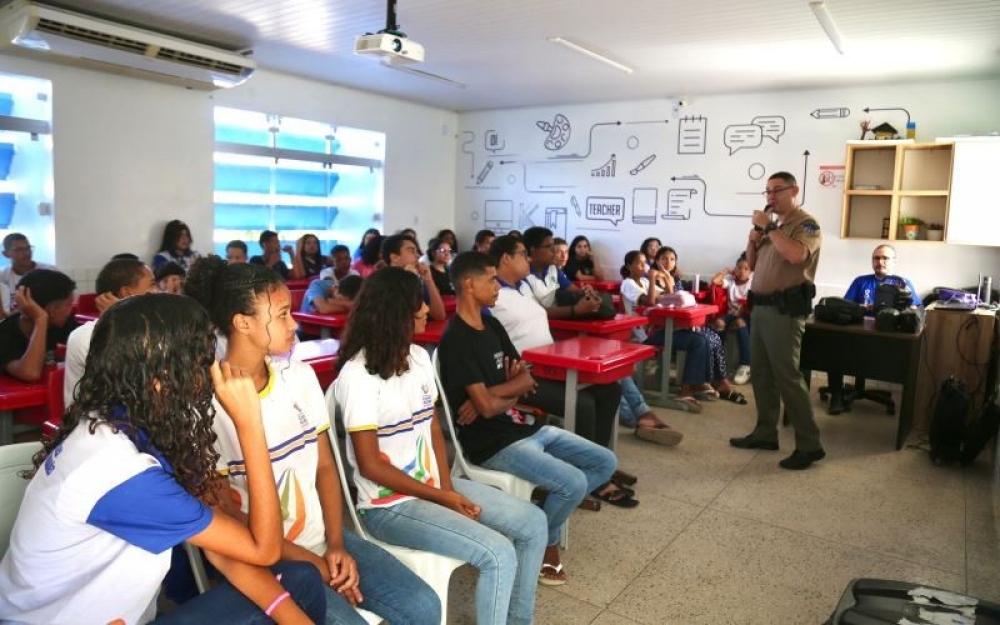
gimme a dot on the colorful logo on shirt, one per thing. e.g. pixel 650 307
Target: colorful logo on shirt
pixel 290 497
pixel 420 469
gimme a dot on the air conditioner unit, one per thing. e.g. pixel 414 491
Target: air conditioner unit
pixel 102 44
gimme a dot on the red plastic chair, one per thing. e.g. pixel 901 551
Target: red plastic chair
pixel 55 407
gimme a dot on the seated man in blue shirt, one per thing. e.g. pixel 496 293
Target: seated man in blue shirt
pixel 862 291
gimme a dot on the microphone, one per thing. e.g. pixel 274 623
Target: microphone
pixel 767 209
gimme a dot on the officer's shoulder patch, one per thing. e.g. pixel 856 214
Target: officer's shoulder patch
pixel 809 226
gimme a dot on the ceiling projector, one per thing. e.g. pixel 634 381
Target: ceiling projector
pixel 394 47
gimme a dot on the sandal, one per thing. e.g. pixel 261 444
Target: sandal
pixel 622 477
pixel 616 497
pixel 625 489
pixel 660 433
pixel 708 394
pixel 691 404
pixel 552 575
pixel 735 396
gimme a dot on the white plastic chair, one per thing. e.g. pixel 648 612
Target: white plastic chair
pixel 433 568
pixel 507 482
pixel 13 460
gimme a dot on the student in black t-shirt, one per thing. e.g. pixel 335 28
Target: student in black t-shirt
pixel 484 376
pixel 44 319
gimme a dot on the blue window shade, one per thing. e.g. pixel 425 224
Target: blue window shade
pixel 246 136
pixel 6 156
pixel 242 217
pixel 304 217
pixel 250 179
pixel 304 143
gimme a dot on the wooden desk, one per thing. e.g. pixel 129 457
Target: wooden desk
pixel 608 286
pixel 859 349
pixel 671 319
pixel 618 328
pixel 432 333
pixel 324 325
pixel 16 395
pixel 585 360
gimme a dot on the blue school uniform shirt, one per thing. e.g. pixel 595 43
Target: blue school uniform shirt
pixel 92 540
pixel 862 290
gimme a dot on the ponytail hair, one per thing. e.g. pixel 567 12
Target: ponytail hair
pixel 629 259
pixel 226 290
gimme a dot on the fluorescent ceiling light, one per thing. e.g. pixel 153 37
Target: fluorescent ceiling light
pixel 421 74
pixel 826 21
pixel 597 56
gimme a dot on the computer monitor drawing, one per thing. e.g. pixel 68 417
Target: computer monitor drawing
pixel 499 215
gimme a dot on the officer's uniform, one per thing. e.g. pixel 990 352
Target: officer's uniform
pixel 776 335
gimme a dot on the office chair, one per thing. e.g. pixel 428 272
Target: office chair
pixel 856 391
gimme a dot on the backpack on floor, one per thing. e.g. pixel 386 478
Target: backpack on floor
pixel 947 431
pixel 980 431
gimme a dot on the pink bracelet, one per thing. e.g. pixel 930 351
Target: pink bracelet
pixel 276 603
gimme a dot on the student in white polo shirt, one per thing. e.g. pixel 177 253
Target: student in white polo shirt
pixel 126 479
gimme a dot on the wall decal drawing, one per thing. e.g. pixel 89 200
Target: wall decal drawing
pixel 499 215
pixel 524 180
pixel 607 170
pixel 891 108
pixel 747 136
pixel 576 206
pixel 632 142
pixel 689 197
pixel 559 131
pixel 511 178
pixel 643 164
pixel 833 112
pixel 609 209
pixel 472 155
pixel 485 172
pixel 526 221
pixel 644 205
pixel 555 220
pixel 590 137
pixel 493 142
pixel 805 176
pixel 756 171
pixel 692 134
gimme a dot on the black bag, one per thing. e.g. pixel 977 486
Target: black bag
pixel 884 601
pixel 839 311
pixel 566 297
pixel 980 431
pixel 948 423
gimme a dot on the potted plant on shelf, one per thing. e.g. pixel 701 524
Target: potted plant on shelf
pixel 911 227
pixel 935 232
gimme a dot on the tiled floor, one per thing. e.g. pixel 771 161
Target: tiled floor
pixel 725 536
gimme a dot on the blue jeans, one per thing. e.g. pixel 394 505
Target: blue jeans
pixel 390 590
pixel 225 604
pixel 633 403
pixel 742 336
pixel 567 465
pixel 697 366
pixel 506 545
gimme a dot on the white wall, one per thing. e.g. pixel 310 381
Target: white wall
pixel 130 154
pixel 709 220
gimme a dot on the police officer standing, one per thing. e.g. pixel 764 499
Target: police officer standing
pixel 783 254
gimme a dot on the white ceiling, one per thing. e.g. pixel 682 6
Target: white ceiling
pixel 498 49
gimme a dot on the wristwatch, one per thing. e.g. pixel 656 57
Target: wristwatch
pixel 771 227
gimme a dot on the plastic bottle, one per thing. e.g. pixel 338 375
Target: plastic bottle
pixel 911 130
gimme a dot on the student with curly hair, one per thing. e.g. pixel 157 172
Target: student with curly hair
pixel 407 497
pixel 309 259
pixel 126 478
pixel 251 306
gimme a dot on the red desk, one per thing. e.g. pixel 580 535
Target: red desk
pixel 671 319
pixel 585 360
pixel 450 304
pixel 432 333
pixel 16 395
pixel 619 328
pixel 324 325
pixel 301 283
pixel 85 317
pixel 609 286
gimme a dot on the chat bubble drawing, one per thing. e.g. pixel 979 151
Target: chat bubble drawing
pixel 611 209
pixel 680 203
pixel 772 126
pixel 740 136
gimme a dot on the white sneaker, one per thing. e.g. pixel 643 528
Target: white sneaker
pixel 742 375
